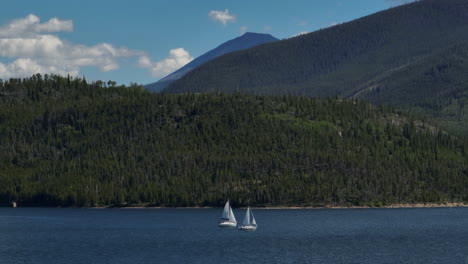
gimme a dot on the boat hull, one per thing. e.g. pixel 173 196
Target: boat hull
pixel 227 224
pixel 247 228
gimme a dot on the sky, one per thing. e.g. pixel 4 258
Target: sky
pixel 141 41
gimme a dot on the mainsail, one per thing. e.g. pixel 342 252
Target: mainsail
pixel 247 218
pixel 226 212
pixel 248 224
pixel 227 219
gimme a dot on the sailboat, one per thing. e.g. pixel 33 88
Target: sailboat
pixel 247 224
pixel 227 219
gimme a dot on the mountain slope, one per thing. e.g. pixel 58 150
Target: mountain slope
pixel 436 85
pixel 245 41
pixel 350 59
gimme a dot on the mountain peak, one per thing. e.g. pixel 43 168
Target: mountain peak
pixel 252 36
pixel 247 40
pixel 246 34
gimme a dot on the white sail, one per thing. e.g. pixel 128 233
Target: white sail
pixel 247 225
pixel 232 218
pixel 226 212
pixel 247 218
pixel 227 219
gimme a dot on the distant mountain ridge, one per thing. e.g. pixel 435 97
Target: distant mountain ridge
pixel 245 41
pixel 413 56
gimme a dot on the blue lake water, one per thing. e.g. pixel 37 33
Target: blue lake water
pixel 39 235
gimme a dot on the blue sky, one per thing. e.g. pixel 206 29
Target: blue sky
pixel 142 41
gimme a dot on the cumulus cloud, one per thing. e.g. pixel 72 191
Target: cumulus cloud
pixel 222 16
pixel 27 67
pixel 299 34
pixel 175 60
pixel 31 25
pixel 32 48
pixel 242 30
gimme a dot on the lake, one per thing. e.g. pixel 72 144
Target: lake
pixel 43 235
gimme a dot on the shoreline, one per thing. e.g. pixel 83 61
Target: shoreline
pixel 391 206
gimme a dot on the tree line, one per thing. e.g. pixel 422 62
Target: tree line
pixel 66 141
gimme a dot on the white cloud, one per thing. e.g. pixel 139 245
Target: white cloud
pixel 222 16
pixel 332 24
pixel 41 46
pixel 266 28
pixel 33 49
pixel 55 25
pixel 31 25
pixel 145 62
pixel 176 59
pixel 300 34
pixel 242 30
pixel 28 67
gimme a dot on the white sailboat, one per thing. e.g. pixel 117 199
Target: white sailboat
pixel 227 219
pixel 247 224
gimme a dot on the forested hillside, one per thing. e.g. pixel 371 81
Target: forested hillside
pixel 66 142
pixel 411 56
